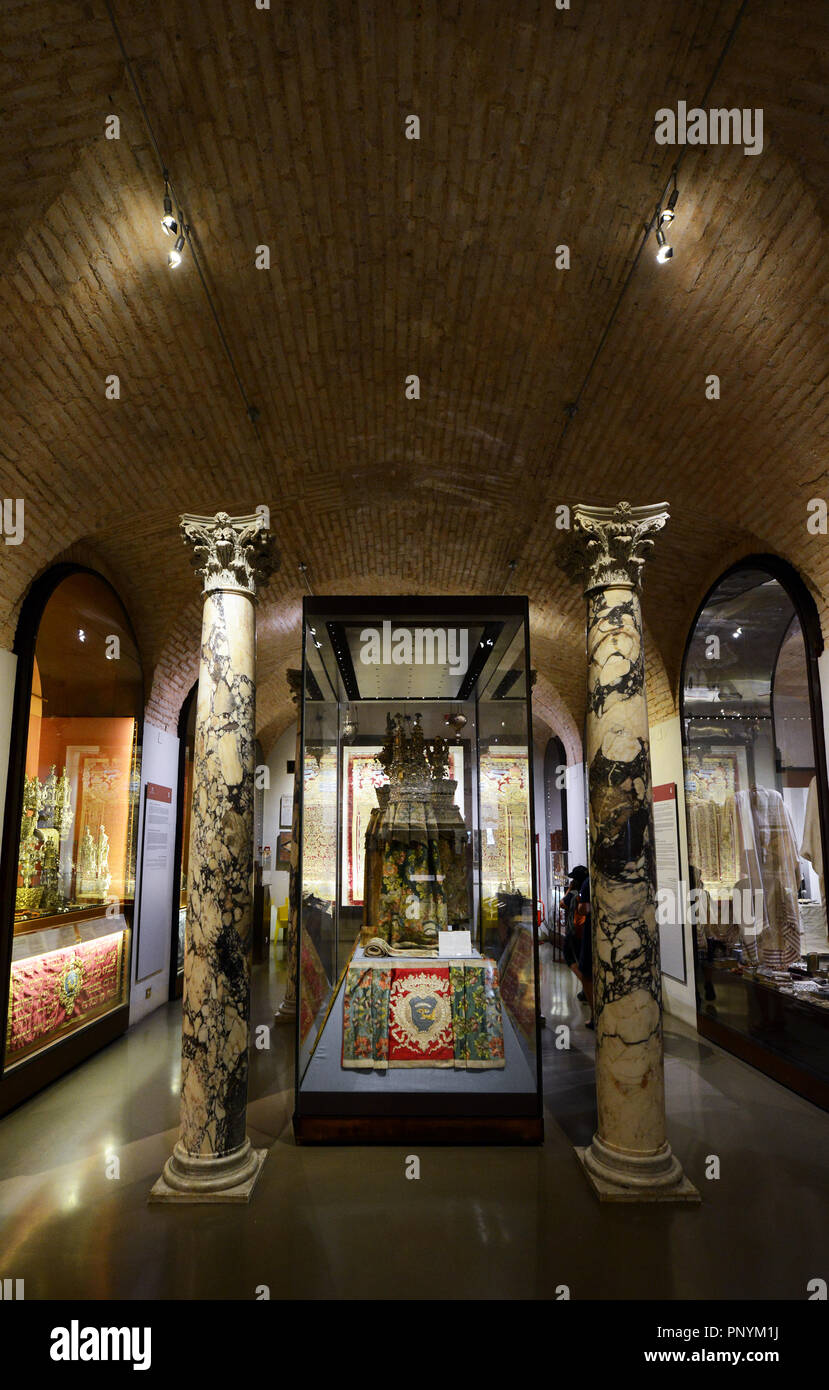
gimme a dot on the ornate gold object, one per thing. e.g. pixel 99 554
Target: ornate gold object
pixel 44 824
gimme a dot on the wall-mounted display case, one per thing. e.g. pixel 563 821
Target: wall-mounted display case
pixel 70 829
pixel 755 804
pixel 418 957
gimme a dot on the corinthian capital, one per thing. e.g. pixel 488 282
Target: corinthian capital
pixel 608 545
pixel 230 552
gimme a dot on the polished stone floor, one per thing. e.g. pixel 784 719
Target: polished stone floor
pixel 490 1223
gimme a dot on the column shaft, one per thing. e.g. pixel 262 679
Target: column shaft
pixel 213 1160
pixel 626 978
pixel 216 1001
pixel 629 1156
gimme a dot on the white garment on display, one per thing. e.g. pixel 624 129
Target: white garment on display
pixel 811 847
pixel 769 853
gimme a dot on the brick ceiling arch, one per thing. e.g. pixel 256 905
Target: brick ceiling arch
pixel 391 257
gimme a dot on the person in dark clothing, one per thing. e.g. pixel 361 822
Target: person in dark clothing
pixel 584 966
pixel 568 909
pixel 573 941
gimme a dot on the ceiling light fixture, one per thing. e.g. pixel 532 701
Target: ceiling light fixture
pixel 174 257
pixel 668 213
pixel 168 221
pixel 665 251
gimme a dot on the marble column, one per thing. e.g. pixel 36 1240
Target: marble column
pixel 629 1157
pixel 213 1160
pixel 286 1013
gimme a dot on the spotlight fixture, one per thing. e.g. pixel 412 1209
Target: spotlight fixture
pixel 665 251
pixel 174 257
pixel 168 221
pixel 668 213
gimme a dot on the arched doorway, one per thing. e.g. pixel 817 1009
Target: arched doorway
pixel 756 802
pixel 70 829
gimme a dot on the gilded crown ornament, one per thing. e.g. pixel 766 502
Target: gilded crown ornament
pixel 408 760
pixel 233 553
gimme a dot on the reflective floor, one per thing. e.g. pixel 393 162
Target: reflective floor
pixel 491 1223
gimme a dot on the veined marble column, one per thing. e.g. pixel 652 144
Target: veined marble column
pixel 213 1160
pixel 630 1157
pixel 286 1013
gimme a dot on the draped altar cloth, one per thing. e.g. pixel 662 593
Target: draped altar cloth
pixel 51 993
pixel 446 1014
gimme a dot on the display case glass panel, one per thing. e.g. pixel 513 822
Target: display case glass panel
pixel 77 842
pixel 753 801
pixel 417 943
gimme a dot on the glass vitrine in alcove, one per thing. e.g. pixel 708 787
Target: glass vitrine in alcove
pixel 418 979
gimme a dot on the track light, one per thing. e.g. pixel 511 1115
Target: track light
pixel 665 251
pixel 668 213
pixel 168 221
pixel 174 257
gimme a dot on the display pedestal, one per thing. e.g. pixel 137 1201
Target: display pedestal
pixel 633 1177
pixel 225 1178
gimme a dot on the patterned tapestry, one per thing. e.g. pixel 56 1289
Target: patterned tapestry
pixel 424 1015
pixel 506 851
pixel 711 781
pixel 314 986
pixel 103 805
pixel 53 993
pixel 410 905
pixel 362 775
pixel 319 826
pixel 518 981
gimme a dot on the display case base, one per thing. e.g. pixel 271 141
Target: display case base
pixel 417 1129
pixel 33 1073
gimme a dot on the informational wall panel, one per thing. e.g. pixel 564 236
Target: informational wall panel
pixel 155 903
pixel 666 844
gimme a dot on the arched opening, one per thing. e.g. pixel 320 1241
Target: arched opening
pixel 756 801
pixel 70 829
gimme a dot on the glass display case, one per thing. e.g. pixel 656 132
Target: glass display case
pixel 418 956
pixel 754 793
pixel 72 842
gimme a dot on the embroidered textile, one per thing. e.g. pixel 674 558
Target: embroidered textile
pixel 518 981
pixel 811 846
pixel 314 986
pixel 423 1015
pixel 769 851
pixel 506 852
pixel 52 993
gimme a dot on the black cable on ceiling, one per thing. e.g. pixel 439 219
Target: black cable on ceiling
pixel 250 410
pixel 572 407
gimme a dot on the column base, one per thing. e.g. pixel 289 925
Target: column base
pixel 619 1176
pixel 286 1013
pixel 228 1178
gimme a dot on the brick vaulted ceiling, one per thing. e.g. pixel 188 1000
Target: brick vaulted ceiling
pixel 389 257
